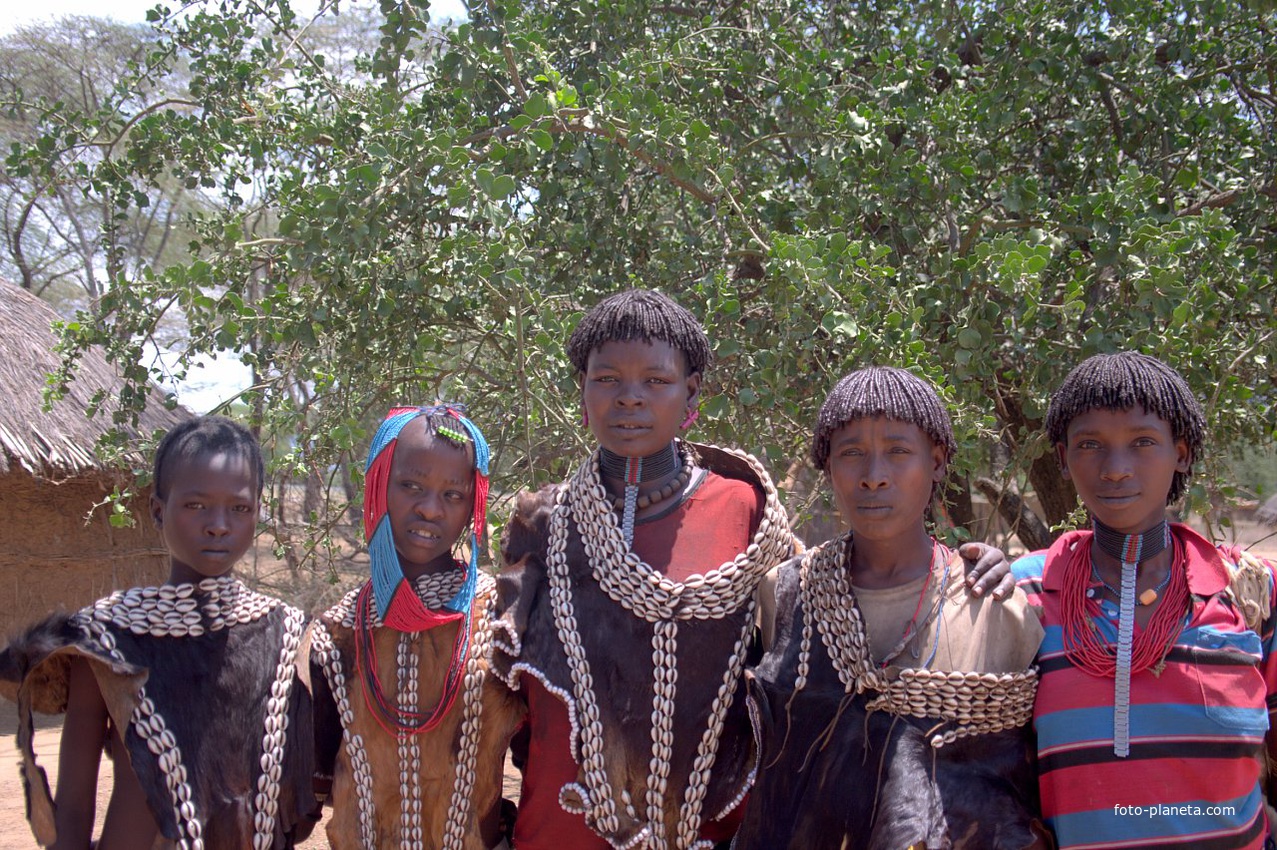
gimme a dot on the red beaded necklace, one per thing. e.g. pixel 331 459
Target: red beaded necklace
pixel 1082 641
pixel 397 721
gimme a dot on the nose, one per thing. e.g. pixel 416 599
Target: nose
pixel 429 506
pixel 631 394
pixel 875 472
pixel 219 523
pixel 1117 466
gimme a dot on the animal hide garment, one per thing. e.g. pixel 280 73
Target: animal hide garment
pixel 211 691
pixel 619 647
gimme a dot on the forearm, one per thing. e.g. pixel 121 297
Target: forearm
pixel 83 733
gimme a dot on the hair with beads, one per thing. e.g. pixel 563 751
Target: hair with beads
pixel 395 601
pixel 882 391
pixel 640 314
pixel 203 436
pixel 1122 381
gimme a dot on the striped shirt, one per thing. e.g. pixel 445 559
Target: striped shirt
pixel 1197 727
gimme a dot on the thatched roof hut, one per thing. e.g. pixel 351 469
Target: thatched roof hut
pixel 55 550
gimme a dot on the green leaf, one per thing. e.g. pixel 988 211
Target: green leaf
pixel 542 139
pixel 969 338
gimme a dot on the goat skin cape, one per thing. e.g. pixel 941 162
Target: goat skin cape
pixel 618 645
pixel 212 692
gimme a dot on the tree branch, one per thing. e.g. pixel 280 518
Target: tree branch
pixel 508 51
pixel 1024 523
pixel 1214 202
pixel 581 122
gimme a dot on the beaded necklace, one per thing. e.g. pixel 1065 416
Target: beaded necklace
pixel 636 470
pixel 1087 650
pixel 402 721
pixel 1132 549
pixel 431 589
pixel 1148 597
pixel 973 703
pixel 648 594
pixel 673 487
pixel 939 554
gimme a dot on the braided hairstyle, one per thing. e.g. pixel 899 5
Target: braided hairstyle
pixel 640 314
pixel 1120 382
pixel 882 391
pixel 203 436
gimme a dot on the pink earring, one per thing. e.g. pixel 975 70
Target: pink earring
pixel 585 418
pixel 693 414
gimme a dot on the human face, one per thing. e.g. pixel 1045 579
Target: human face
pixel 636 394
pixel 208 516
pixel 882 471
pixel 1122 463
pixel 429 499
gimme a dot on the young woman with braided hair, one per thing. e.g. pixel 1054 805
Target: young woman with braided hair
pixel 1158 667
pixel 627 604
pixel 411 733
pixel 894 707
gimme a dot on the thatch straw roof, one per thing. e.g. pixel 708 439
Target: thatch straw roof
pixel 58 443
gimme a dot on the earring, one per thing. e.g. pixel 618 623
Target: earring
pixel 585 417
pixel 693 413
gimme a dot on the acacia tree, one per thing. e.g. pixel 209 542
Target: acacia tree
pixel 985 193
pixel 56 243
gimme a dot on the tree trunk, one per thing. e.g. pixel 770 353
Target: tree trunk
pixel 1055 494
pixel 354 509
pixel 1025 524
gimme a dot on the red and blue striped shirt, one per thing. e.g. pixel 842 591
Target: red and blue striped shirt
pixel 1197 726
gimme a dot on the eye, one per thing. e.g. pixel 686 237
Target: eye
pixel 243 509
pixel 1088 444
pixel 194 506
pixel 456 496
pixel 1143 442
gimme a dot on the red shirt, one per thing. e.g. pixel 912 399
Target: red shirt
pixel 710 527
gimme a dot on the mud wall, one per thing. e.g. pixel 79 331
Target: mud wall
pixel 50 558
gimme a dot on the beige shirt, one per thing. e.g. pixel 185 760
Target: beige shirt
pixel 969 634
pixel 976 634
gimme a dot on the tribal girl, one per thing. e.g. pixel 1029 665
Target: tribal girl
pixel 411 733
pixel 190 686
pixel 893 709
pixel 1159 669
pixel 627 604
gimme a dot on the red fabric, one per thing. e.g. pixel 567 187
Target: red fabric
pixel 712 526
pixel 375 483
